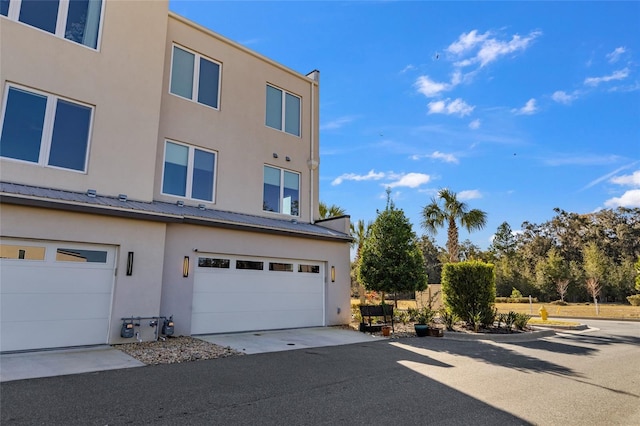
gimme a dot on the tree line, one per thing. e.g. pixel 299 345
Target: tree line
pixel 571 257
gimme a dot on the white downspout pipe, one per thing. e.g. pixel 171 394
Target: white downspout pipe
pixel 313 162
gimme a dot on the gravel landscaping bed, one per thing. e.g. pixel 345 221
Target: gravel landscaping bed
pixel 175 350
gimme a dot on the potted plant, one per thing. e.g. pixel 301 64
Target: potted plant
pixel 423 318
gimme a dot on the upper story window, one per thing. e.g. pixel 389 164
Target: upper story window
pixel 188 172
pixel 195 77
pixel 281 191
pixel 75 20
pixel 45 129
pixel 283 111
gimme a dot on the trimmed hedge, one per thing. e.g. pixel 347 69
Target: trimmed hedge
pixel 515 300
pixel 469 290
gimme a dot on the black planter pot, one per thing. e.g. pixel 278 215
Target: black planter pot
pixel 422 330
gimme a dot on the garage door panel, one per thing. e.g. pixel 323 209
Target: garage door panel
pixel 43 280
pixel 25 335
pixel 56 306
pixel 58 295
pixel 226 322
pixel 229 300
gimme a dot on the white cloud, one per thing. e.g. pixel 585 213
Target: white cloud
pixel 467 42
pixel 616 75
pixel 410 180
pixel 430 88
pixel 372 175
pixel 471 194
pixel 563 97
pixel 489 49
pixel 615 55
pixel 628 180
pixel 437 155
pixel 337 123
pixel 447 158
pixel 475 124
pixel 455 107
pixel 528 109
pixel 630 198
pixel 407 68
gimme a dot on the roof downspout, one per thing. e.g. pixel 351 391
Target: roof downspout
pixel 313 162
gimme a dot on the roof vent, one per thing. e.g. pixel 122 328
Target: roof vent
pixel 201 206
pixel 122 197
pixel 180 203
pixel 91 193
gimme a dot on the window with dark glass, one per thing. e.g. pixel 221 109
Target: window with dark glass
pixel 282 267
pixel 188 172
pixel 312 269
pixel 81 255
pixel 210 262
pixel 195 77
pixel 281 191
pixel 283 111
pixel 75 20
pixel 45 129
pixel 249 264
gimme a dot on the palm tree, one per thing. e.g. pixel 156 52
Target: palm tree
pixel 447 208
pixel 327 212
pixel 359 233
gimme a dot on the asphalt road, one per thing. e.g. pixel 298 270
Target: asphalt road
pixel 589 378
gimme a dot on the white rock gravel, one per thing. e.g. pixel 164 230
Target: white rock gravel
pixel 175 350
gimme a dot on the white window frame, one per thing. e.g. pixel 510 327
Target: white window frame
pixel 190 165
pixel 196 76
pixel 61 22
pixel 47 126
pixel 283 113
pixel 281 192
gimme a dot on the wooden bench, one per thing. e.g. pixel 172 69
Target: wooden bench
pixel 368 312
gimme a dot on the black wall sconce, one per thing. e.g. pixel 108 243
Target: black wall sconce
pixel 333 274
pixel 185 267
pixel 130 263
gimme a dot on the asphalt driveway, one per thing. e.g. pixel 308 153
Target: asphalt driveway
pixel 570 379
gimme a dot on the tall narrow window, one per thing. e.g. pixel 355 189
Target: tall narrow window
pixel 195 77
pixel 45 129
pixel 283 111
pixel 281 193
pixel 188 172
pixel 75 20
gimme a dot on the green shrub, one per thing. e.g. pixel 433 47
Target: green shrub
pixel 508 319
pixel 515 294
pixel 448 317
pixel 489 317
pixel 521 321
pixel 512 300
pixel 558 303
pixel 401 316
pixel 469 290
pixel 634 300
pixel 413 314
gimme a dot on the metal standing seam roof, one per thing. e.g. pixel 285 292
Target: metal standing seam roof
pixel 13 193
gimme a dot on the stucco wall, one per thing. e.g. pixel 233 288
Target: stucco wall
pixel 122 80
pixel 177 292
pixel 237 130
pixel 135 295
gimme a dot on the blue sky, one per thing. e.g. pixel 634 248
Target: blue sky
pixel 518 107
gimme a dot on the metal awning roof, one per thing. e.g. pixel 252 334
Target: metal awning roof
pixel 19 194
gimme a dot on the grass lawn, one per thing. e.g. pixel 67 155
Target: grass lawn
pixel 573 310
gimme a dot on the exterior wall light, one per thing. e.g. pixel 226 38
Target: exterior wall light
pixel 333 274
pixel 185 267
pixel 130 263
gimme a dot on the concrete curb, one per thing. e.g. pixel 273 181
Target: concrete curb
pixel 513 337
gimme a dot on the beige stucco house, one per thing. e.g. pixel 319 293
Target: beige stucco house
pixel 150 167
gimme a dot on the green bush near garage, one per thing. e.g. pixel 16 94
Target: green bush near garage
pixel 469 290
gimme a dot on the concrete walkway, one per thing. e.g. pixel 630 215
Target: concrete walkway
pixel 30 365
pixel 285 340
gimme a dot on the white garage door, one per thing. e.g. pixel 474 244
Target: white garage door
pixel 241 294
pixel 54 294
